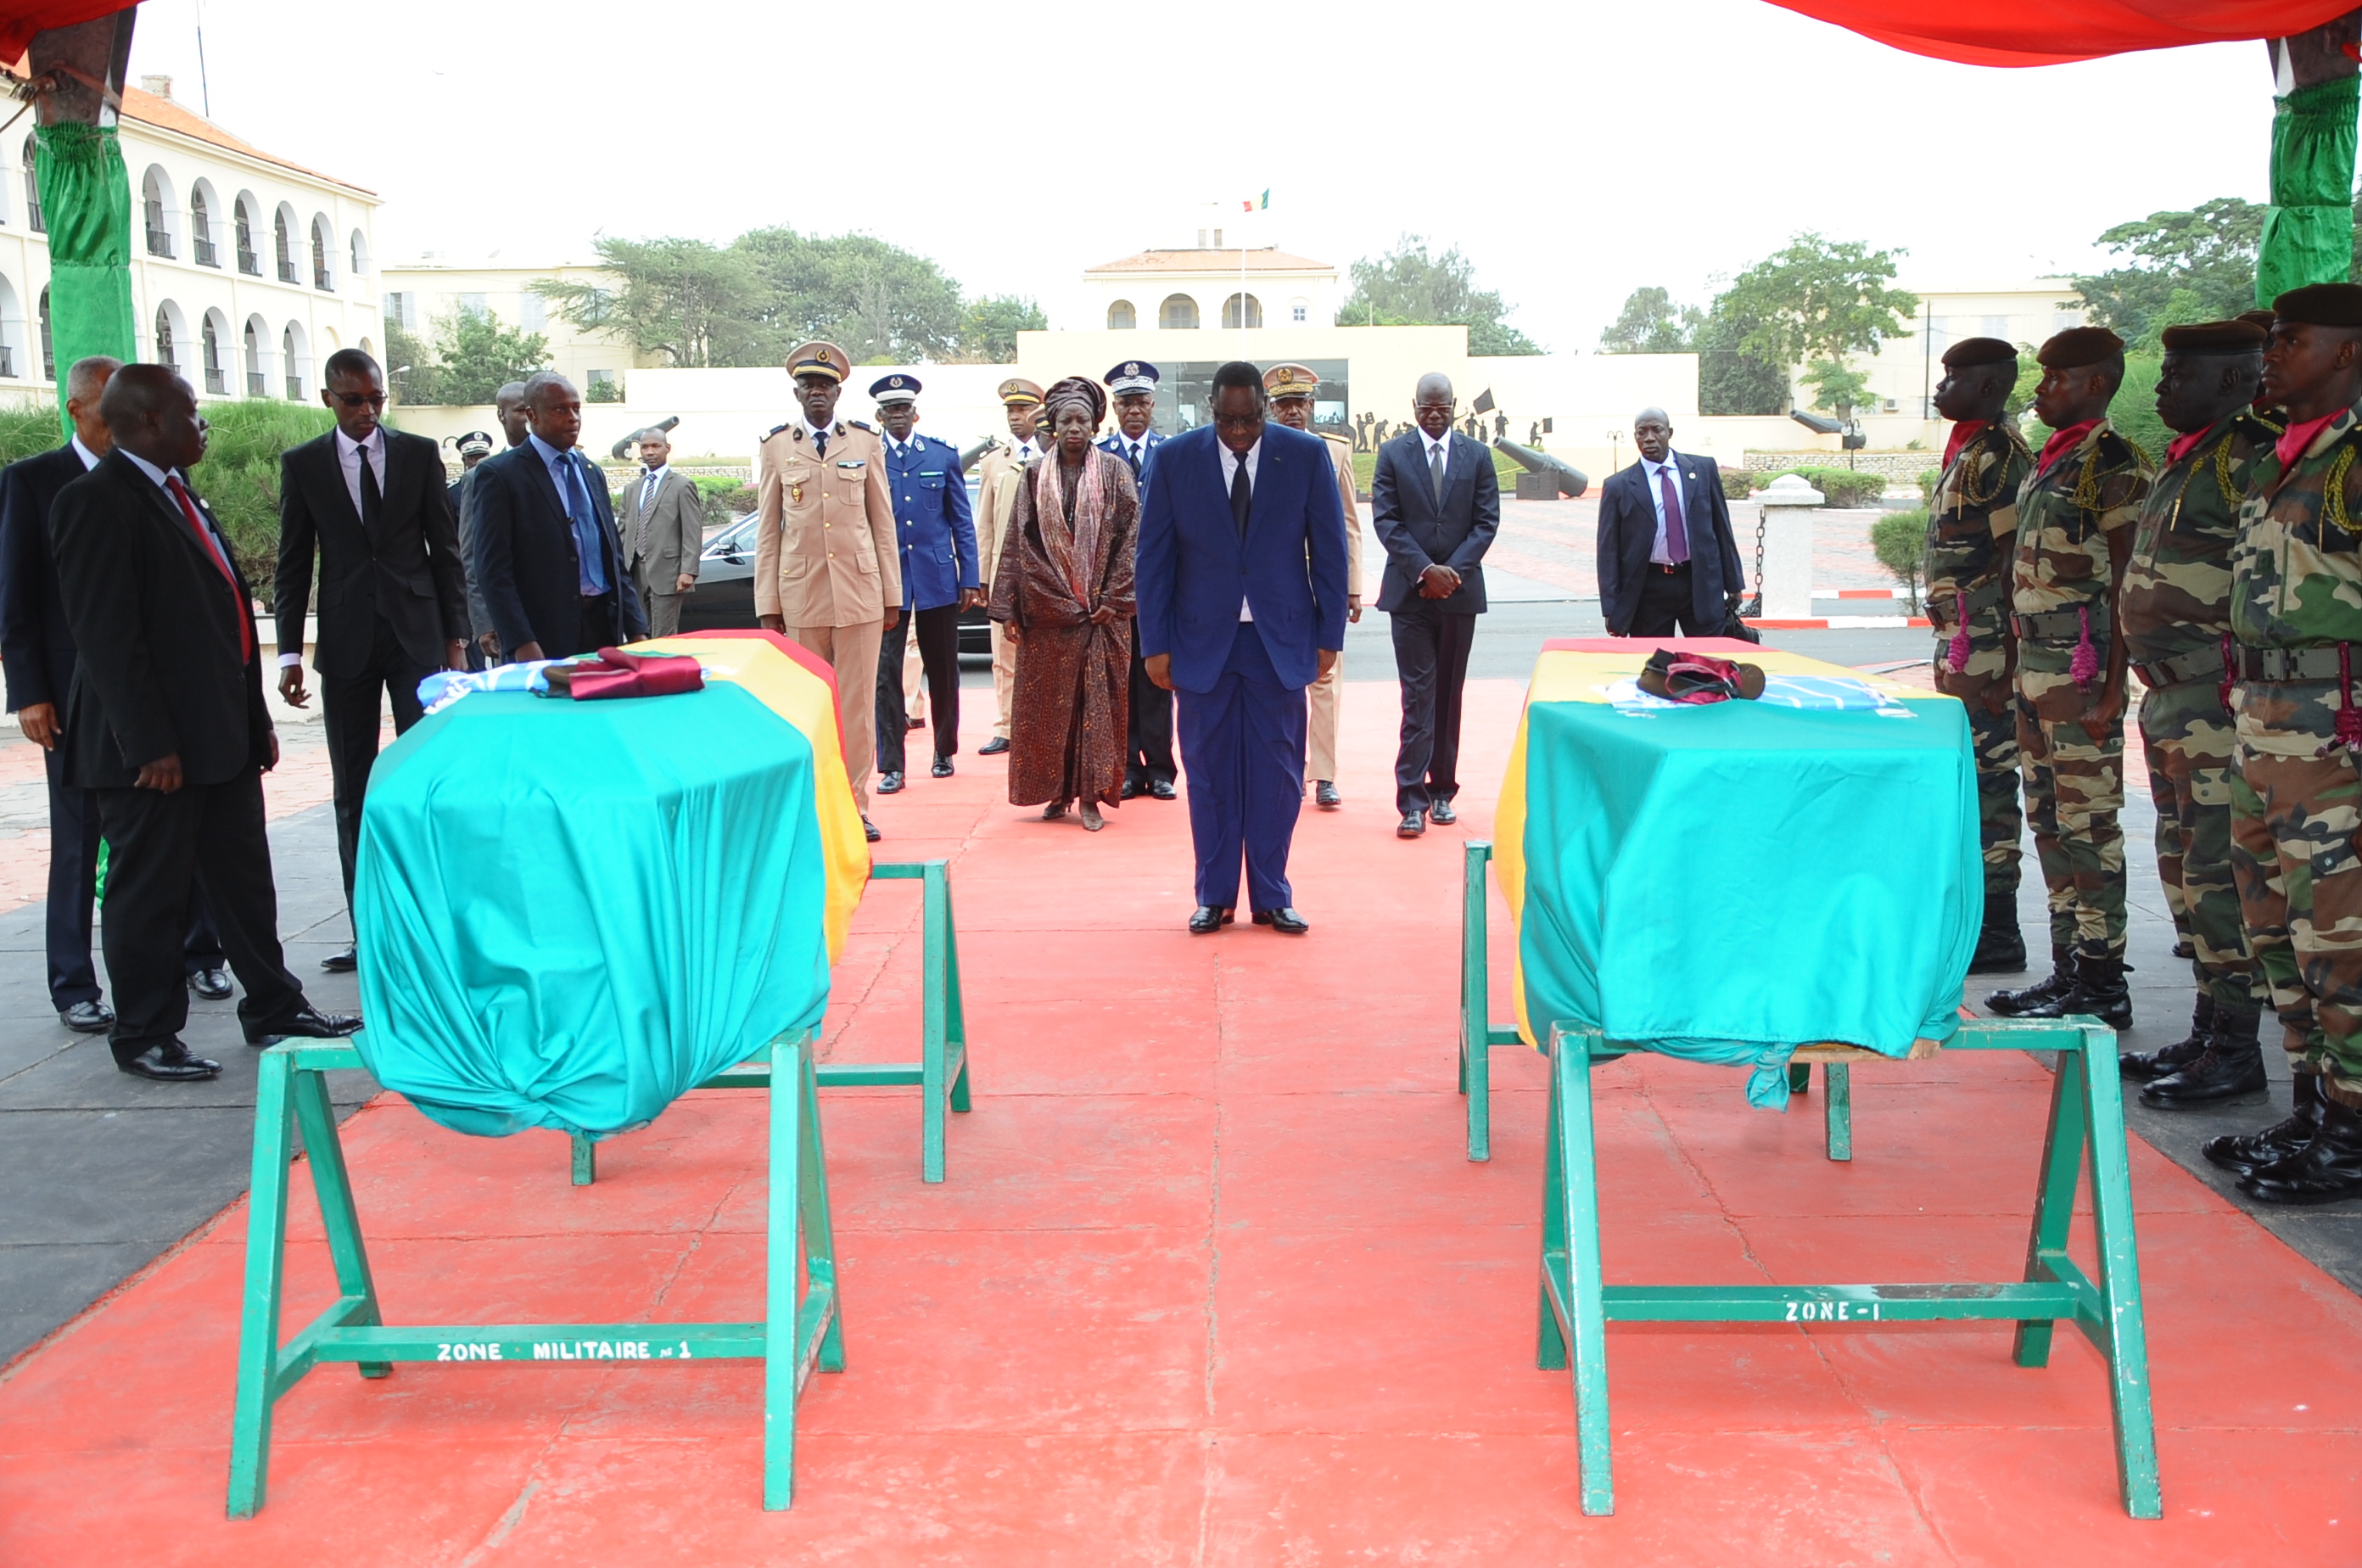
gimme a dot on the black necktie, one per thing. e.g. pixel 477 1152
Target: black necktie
pixel 372 498
pixel 1242 497
pixel 820 442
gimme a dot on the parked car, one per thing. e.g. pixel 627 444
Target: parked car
pixel 724 600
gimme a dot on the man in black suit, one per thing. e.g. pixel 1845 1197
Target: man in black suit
pixel 393 604
pixel 546 552
pixel 1436 503
pixel 1666 554
pixel 166 724
pixel 38 652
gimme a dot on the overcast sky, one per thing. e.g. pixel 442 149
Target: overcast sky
pixel 1574 151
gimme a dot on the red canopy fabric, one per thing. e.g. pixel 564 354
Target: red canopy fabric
pixel 2051 32
pixel 20 19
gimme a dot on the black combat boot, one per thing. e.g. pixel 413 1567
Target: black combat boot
pixel 2324 1171
pixel 2246 1152
pixel 2142 1067
pixel 2001 948
pixel 2097 990
pixel 2013 1004
pixel 2230 1071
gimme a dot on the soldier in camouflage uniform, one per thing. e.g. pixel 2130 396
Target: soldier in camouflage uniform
pixel 2175 612
pixel 1971 535
pixel 2075 514
pixel 2296 609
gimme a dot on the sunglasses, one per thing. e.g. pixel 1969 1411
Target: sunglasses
pixel 354 400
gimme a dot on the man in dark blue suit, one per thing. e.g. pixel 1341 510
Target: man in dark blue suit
pixel 1242 590
pixel 937 537
pixel 1666 554
pixel 36 649
pixel 545 550
pixel 1436 502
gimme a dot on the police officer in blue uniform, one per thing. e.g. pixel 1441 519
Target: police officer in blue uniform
pixel 1148 744
pixel 937 537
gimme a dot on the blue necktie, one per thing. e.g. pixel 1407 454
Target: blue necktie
pixel 586 527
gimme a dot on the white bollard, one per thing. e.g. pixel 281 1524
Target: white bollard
pixel 1789 504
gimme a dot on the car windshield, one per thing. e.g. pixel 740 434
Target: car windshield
pixel 734 535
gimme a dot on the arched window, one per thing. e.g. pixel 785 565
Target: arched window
pixel 155 203
pixel 286 246
pixel 248 261
pixel 48 349
pixel 1178 314
pixel 215 383
pixel 369 348
pixel 321 247
pixel 295 358
pixel 1231 311
pixel 360 256
pixel 201 228
pixel 32 193
pixel 257 382
pixel 166 352
pixel 1121 318
pixel 12 333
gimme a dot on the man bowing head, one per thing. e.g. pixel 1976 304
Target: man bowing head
pixel 1241 589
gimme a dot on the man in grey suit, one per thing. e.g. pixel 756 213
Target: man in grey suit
pixel 664 535
pixel 1437 504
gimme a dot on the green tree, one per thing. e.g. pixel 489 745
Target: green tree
pixel 1817 299
pixel 1730 379
pixel 697 305
pixel 1406 287
pixel 1838 386
pixel 411 371
pixel 1651 323
pixel 478 355
pixel 875 301
pixel 2201 261
pixel 988 333
pixel 239 475
pixel 1899 540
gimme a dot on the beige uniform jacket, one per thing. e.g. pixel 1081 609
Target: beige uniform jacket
pixel 668 535
pixel 1340 457
pixel 995 500
pixel 824 550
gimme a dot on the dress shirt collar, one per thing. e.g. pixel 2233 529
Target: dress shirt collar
pixel 155 475
pixel 1231 461
pixel 89 459
pixel 828 429
pixel 656 473
pixel 1444 441
pixel 1672 460
pixel 374 446
pixel 550 455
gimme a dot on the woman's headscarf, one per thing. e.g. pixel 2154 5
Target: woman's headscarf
pixel 1073 551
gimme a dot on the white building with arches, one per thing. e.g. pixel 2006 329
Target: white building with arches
pixel 246 271
pixel 1205 286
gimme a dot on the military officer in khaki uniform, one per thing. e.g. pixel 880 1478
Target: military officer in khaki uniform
pixel 1292 388
pixel 827 571
pixel 996 499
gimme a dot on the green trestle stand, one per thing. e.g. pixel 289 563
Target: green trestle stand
pixel 1576 1303
pixel 940 1071
pixel 799 1328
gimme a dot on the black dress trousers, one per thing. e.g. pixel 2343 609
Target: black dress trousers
pixel 938 633
pixel 1148 729
pixel 1431 661
pixel 348 722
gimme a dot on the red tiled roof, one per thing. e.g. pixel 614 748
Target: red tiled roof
pixel 1212 262
pixel 164 113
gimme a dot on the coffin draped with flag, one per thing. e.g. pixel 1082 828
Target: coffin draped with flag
pixel 1727 882
pixel 570 913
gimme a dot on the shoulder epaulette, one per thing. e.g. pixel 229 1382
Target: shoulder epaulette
pixel 775 429
pixel 858 425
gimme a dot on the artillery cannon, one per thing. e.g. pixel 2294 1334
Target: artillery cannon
pixel 1568 478
pixel 975 454
pixel 621 450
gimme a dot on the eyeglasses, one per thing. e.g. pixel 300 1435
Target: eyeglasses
pixel 354 400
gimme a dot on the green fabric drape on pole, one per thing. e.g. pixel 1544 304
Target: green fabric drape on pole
pixel 86 201
pixel 2308 233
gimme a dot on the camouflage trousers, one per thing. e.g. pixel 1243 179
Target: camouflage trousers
pixel 1992 738
pixel 2294 819
pixel 2074 788
pixel 2190 767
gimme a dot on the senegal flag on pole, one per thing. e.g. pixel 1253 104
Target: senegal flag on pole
pixel 1257 203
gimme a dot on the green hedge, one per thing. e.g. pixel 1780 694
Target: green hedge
pixel 240 474
pixel 1899 540
pixel 1844 487
pixel 29 428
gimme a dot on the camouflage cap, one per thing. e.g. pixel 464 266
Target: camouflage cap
pixel 2215 337
pixel 2322 304
pixel 2078 346
pixel 1969 352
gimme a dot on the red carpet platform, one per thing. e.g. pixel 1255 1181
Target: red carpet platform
pixel 1211 1282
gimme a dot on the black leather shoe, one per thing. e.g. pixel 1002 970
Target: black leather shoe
pixel 2230 1071
pixel 2325 1170
pixel 914 725
pixel 1325 795
pixel 1161 790
pixel 2001 948
pixel 1440 814
pixel 1413 825
pixel 2247 1153
pixel 2098 991
pixel 171 1064
pixel 1130 790
pixel 212 982
pixel 1208 920
pixel 87 1018
pixel 1285 921
pixel 2013 1004
pixel 869 831
pixel 2182 949
pixel 889 783
pixel 343 962
pixel 2147 1066
pixel 941 769
pixel 309 1023
pixel 993 746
